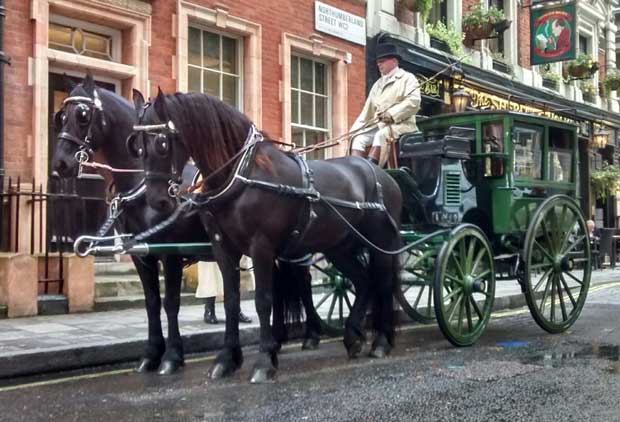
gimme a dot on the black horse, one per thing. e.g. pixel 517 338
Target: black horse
pixel 100 121
pixel 264 203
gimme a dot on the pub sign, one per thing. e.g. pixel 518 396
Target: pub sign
pixel 553 36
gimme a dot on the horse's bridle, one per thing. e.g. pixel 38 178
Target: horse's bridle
pixel 163 133
pixel 92 105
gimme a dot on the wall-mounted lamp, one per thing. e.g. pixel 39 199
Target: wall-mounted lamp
pixel 460 100
pixel 599 139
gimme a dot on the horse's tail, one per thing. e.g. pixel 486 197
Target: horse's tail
pixel 288 287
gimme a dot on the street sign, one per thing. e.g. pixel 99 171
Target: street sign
pixel 339 23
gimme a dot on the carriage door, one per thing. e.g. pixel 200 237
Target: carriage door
pixel 77 206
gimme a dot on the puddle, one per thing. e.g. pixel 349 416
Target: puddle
pixel 607 352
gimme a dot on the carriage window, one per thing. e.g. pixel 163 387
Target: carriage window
pixel 310 116
pixel 214 65
pixel 560 155
pixel 528 152
pixel 493 142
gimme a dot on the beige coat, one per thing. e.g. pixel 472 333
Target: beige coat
pixel 399 95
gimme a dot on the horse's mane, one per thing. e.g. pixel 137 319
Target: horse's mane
pixel 211 130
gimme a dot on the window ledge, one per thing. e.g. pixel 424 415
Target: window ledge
pixel 117 70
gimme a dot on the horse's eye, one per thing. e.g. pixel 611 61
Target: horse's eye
pixel 135 146
pixel 83 114
pixel 162 144
pixel 60 119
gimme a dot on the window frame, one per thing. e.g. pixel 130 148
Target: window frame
pixel 328 89
pixel 239 56
pixel 543 150
pixel 115 34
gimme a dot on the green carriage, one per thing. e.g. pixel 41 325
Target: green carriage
pixel 487 196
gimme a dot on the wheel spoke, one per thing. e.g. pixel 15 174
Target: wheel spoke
pixel 429 300
pixel 458 266
pixel 479 256
pixel 544 298
pixel 482 275
pixel 568 292
pixel 346 299
pixel 453 293
pixel 331 308
pixel 568 273
pixel 574 244
pixel 417 299
pixel 476 308
pixel 453 279
pixel 567 234
pixel 470 325
pixel 561 298
pixel 546 235
pixel 470 254
pixel 459 323
pixel 540 266
pixel 543 250
pixel 453 306
pixel 552 316
pixel 324 298
pixel 544 276
pixel 340 310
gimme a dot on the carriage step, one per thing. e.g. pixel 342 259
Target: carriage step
pixel 137 301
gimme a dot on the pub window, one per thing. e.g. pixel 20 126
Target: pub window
pixel 496 45
pixel 84 39
pixel 214 65
pixel 583 44
pixel 310 103
pixel 527 152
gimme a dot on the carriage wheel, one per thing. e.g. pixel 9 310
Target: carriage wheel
pixel 333 297
pixel 416 293
pixel 557 264
pixel 464 285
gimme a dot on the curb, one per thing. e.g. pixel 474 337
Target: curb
pixel 71 358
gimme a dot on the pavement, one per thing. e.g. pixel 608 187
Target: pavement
pixel 63 342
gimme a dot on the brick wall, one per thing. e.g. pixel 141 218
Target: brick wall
pixel 276 17
pixel 18 118
pixel 524 37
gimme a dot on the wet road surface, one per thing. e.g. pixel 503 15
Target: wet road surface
pixel 516 372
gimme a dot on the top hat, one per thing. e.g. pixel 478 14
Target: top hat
pixel 385 51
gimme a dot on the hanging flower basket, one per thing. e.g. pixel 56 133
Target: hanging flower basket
pixel 612 80
pixel 582 67
pixel 480 23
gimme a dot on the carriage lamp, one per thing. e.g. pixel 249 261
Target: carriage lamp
pixel 599 140
pixel 460 100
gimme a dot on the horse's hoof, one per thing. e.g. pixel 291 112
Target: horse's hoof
pixel 147 365
pixel 263 375
pixel 310 344
pixel 379 352
pixel 169 367
pixel 219 370
pixel 354 349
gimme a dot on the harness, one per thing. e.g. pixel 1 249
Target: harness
pixel 85 147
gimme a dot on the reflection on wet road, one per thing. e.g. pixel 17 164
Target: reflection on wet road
pixel 515 372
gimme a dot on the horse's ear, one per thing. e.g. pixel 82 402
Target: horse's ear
pixel 68 83
pixel 160 105
pixel 89 84
pixel 138 100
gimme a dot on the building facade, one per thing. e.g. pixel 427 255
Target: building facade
pixel 498 74
pixel 270 59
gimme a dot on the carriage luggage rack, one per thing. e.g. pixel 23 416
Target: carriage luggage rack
pixel 451 142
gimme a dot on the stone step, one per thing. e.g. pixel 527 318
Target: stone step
pixel 3 312
pixel 114 268
pixel 115 286
pixel 137 301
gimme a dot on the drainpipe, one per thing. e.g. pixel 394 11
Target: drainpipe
pixel 3 60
